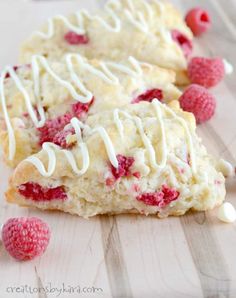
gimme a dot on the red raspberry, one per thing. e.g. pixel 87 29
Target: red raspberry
pixel 79 109
pixel 183 41
pixel 52 126
pixel 197 100
pixel 149 95
pixel 205 71
pixel 37 193
pixel 160 198
pixel 60 138
pixel 123 170
pixel 198 20
pixel 25 238
pixel 76 39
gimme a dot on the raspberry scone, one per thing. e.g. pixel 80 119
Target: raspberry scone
pixel 39 99
pixel 151 31
pixel 143 158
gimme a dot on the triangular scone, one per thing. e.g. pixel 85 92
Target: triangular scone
pixel 151 31
pixel 39 99
pixel 144 158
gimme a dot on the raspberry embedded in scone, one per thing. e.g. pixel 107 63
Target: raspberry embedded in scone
pixel 40 99
pixel 144 158
pixel 107 35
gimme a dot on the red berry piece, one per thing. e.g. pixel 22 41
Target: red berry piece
pixel 76 39
pixel 160 198
pixel 197 100
pixel 149 95
pixel 79 109
pixel 183 41
pixel 198 20
pixel 25 238
pixel 123 170
pixel 37 193
pixel 205 71
pixel 60 138
pixel 52 126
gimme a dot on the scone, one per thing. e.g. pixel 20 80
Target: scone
pixel 151 31
pixel 144 158
pixel 39 99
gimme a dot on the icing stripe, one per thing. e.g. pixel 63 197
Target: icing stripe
pixel 146 141
pixel 136 18
pixel 106 74
pixel 78 125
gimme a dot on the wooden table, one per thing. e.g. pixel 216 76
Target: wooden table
pixel 131 256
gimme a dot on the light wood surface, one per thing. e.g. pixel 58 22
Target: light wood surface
pixel 131 256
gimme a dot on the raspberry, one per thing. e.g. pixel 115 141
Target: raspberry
pixel 198 20
pixel 160 198
pixel 52 126
pixel 123 170
pixel 25 238
pixel 37 193
pixel 149 95
pixel 60 138
pixel 197 100
pixel 205 71
pixel 79 108
pixel 76 39
pixel 183 41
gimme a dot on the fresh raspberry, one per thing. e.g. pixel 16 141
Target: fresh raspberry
pixel 198 20
pixel 197 100
pixel 205 71
pixel 60 138
pixel 25 238
pixel 79 109
pixel 52 126
pixel 37 193
pixel 183 41
pixel 123 170
pixel 76 39
pixel 149 95
pixel 160 198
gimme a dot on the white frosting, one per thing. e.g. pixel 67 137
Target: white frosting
pixel 51 148
pixel 79 29
pixel 136 17
pixel 227 213
pixel 38 61
pixel 229 69
pixel 189 137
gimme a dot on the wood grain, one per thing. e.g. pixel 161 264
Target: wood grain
pixel 132 256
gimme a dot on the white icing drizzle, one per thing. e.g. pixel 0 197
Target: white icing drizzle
pixel 188 133
pixel 146 141
pixel 135 16
pixel 50 148
pixel 79 29
pixel 85 14
pixel 38 61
